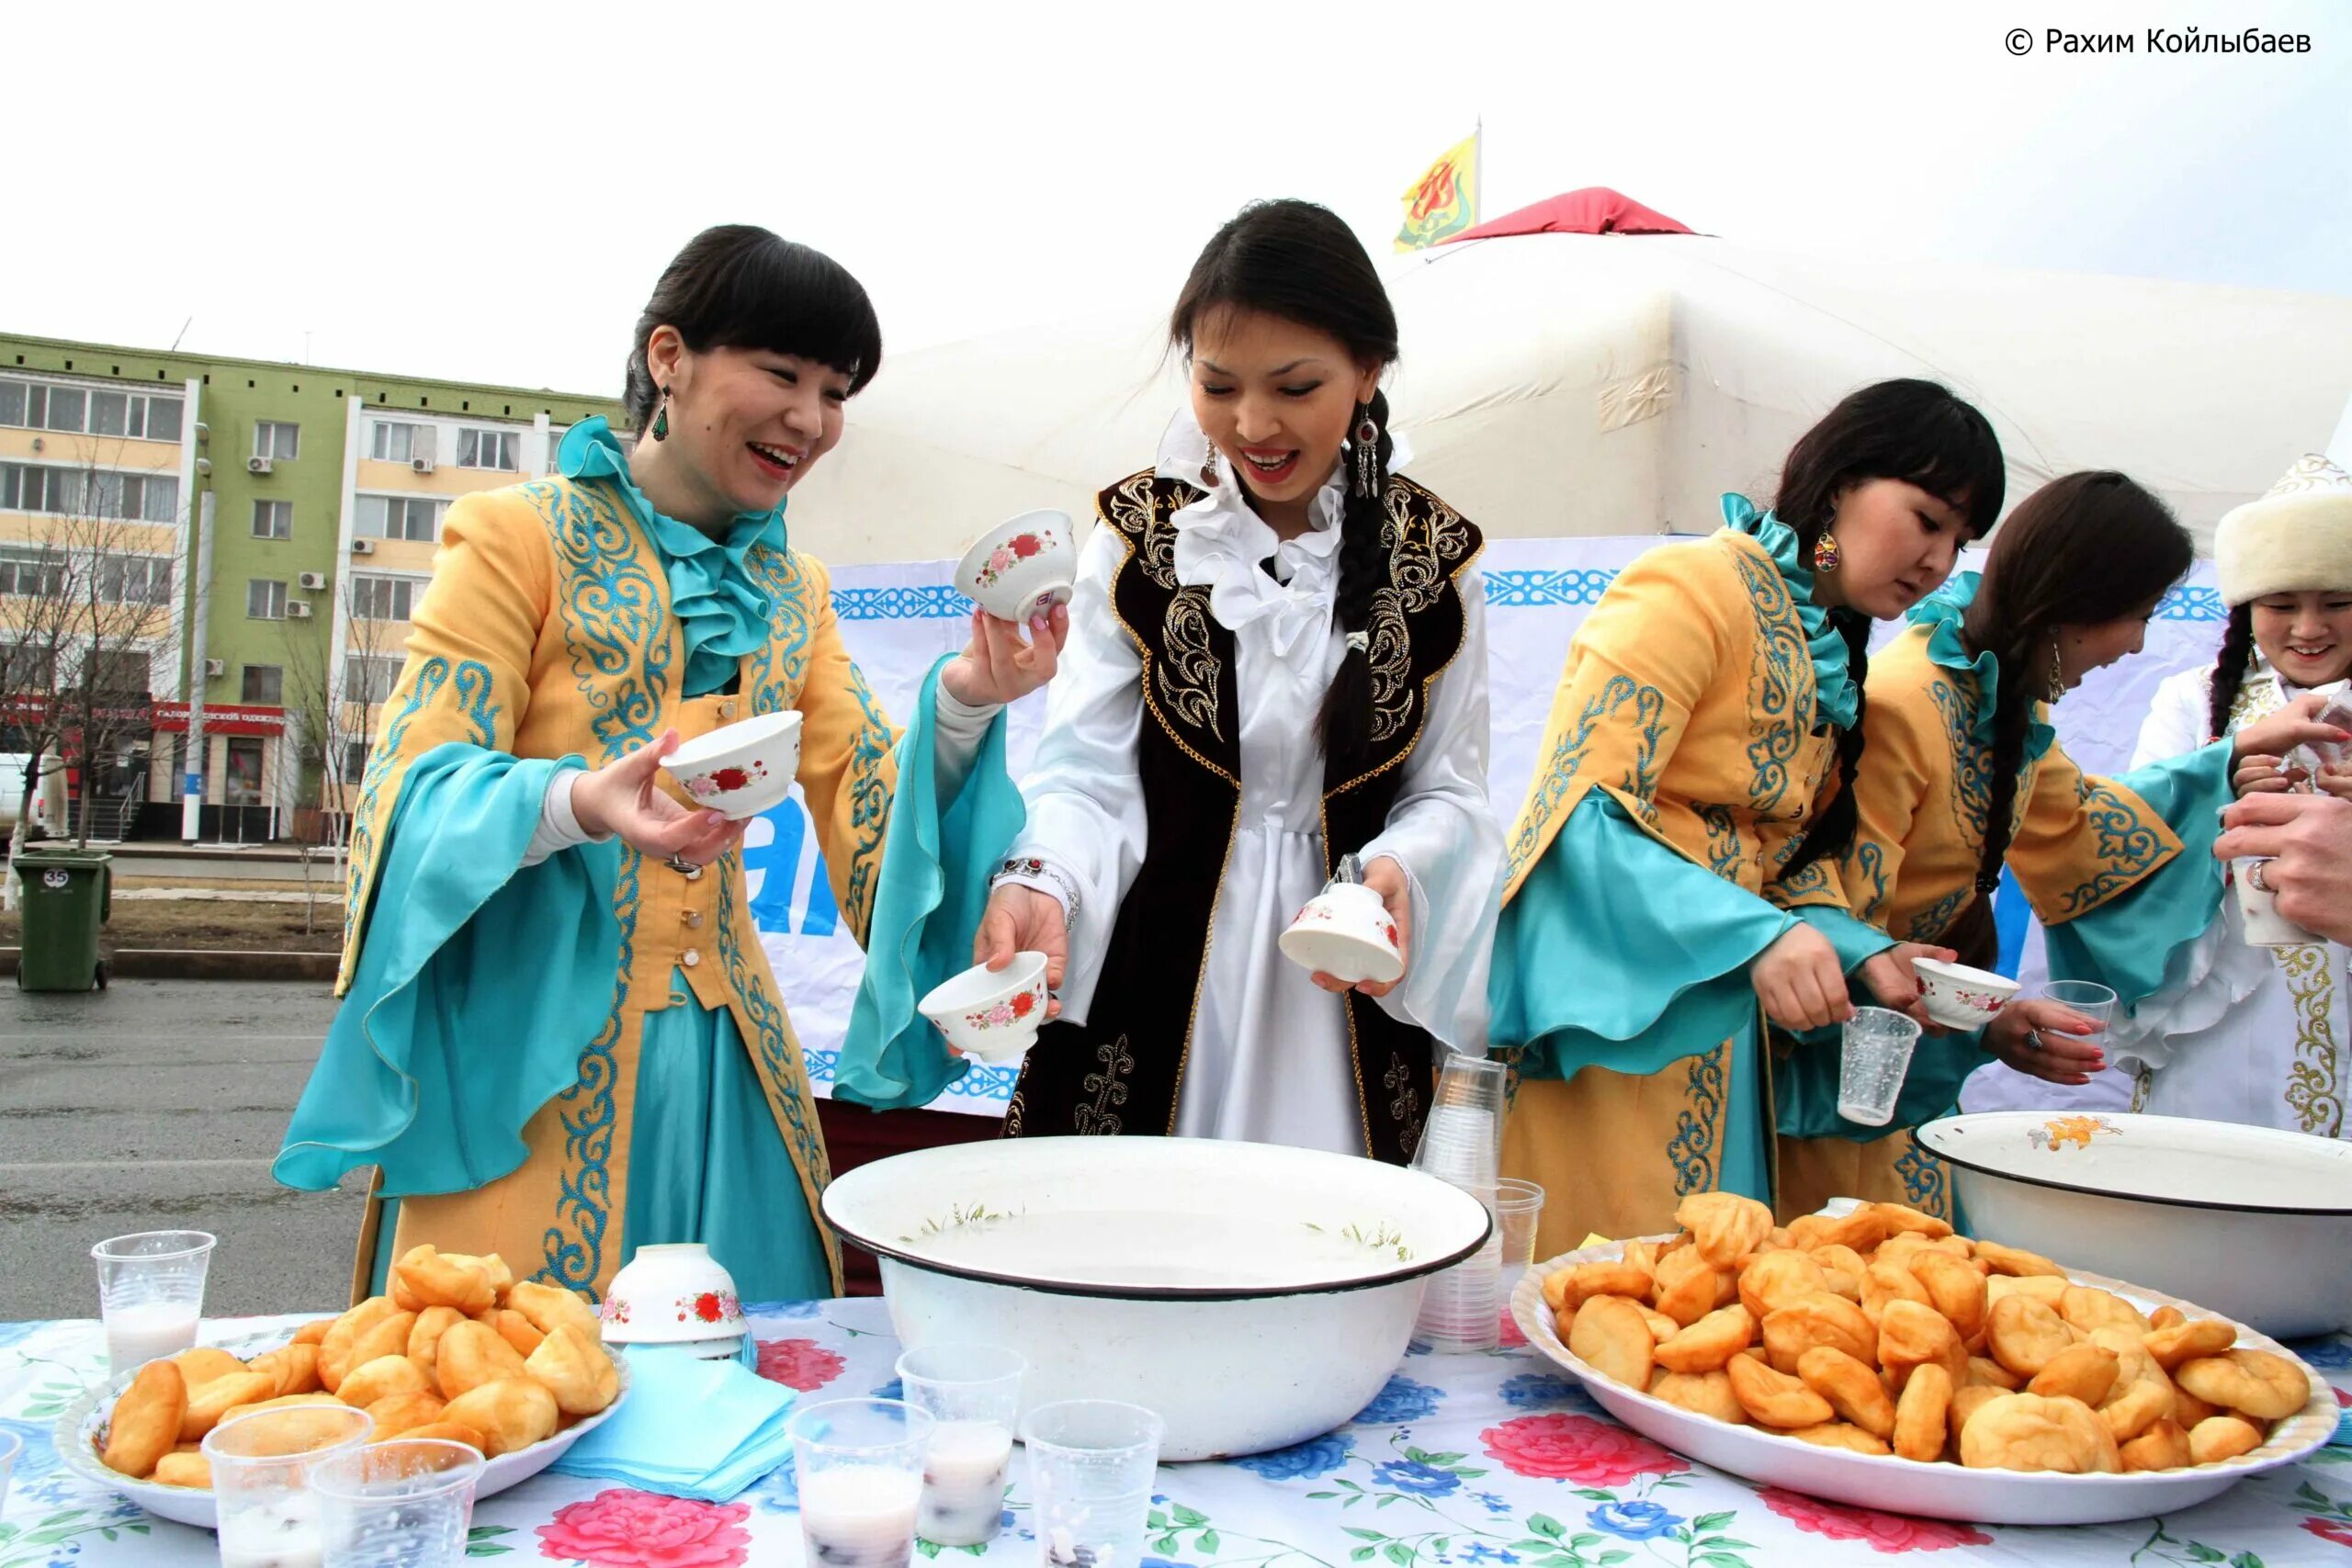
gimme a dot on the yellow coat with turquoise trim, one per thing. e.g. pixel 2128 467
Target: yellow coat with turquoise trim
pixel 548 631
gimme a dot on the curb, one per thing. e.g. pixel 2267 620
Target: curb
pixel 205 964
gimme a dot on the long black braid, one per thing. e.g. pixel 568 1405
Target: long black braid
pixel 1344 726
pixel 2230 670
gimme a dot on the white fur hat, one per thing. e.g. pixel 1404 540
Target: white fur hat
pixel 2298 536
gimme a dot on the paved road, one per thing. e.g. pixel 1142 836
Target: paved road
pixel 157 1105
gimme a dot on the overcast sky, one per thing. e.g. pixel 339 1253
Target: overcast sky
pixel 486 191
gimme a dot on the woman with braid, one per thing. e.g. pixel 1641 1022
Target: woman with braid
pixel 1681 835
pixel 1967 772
pixel 2247 1033
pixel 1277 660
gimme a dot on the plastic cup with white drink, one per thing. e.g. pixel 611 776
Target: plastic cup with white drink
pixel 974 1393
pixel 859 1465
pixel 407 1503
pixel 262 1464
pixel 151 1295
pixel 1092 1462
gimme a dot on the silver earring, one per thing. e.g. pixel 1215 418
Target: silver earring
pixel 2057 673
pixel 1367 450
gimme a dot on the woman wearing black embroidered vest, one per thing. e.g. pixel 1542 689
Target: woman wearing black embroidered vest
pixel 1277 658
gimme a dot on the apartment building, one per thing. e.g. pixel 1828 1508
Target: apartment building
pixel 285 514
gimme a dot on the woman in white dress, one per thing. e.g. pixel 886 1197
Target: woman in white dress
pixel 1277 660
pixel 2258 1034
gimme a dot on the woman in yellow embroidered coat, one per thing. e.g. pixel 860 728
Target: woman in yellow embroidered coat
pixel 1959 740
pixel 560 1047
pixel 1670 833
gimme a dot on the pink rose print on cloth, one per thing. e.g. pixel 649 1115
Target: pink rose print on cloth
pixel 798 1363
pixel 1885 1532
pixel 1578 1449
pixel 621 1529
pixel 2331 1529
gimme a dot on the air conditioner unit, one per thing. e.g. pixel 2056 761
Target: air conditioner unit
pixel 313 582
pixel 215 668
pixel 363 546
pixel 256 465
pixel 421 465
pixel 298 611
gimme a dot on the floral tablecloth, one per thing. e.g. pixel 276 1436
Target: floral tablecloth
pixel 1478 1460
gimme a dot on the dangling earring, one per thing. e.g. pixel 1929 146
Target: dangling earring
pixel 661 418
pixel 1367 451
pixel 2057 672
pixel 1826 557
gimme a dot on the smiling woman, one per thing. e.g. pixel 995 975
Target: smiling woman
pixel 559 1040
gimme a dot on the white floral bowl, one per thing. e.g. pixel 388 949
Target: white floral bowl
pixel 1958 996
pixel 1345 932
pixel 671 1293
pixel 740 770
pixel 1253 1296
pixel 1021 567
pixel 991 1014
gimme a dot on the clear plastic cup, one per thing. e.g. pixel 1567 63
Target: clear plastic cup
pixel 1091 1463
pixel 406 1503
pixel 262 1466
pixel 974 1393
pixel 1871 1062
pixel 151 1295
pixel 1518 1205
pixel 1461 1143
pixel 859 1465
pixel 1462 1308
pixel 2093 1000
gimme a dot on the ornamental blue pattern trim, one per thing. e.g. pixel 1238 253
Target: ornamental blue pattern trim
pixel 1693 1148
pixel 1971 786
pixel 869 805
pixel 2189 602
pixel 621 643
pixel 780 668
pixel 2128 846
pixel 1781 689
pixel 1924 1185
pixel 1568 758
pixel 770 1042
pixel 430 677
pixel 920 601
pixel 1523 590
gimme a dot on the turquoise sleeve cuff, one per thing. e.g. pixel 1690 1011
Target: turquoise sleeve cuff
pixel 1855 940
pixel 2138 940
pixel 1619 952
pixel 479 981
pixel 934 888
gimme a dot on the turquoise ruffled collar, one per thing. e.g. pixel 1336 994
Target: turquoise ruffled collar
pixel 1833 679
pixel 1941 613
pixel 722 611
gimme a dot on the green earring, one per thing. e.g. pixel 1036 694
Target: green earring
pixel 661 417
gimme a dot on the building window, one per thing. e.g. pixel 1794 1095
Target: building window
pixel 265 600
pixel 368 678
pixel 40 405
pixel 273 519
pixel 243 787
pixel 355 761
pixel 264 684
pixel 487 449
pixel 382 598
pixel 134 580
pixel 277 439
pixel 30 572
pixel 94 492
pixel 118 672
pixel 398 441
pixel 28 667
pixel 398 517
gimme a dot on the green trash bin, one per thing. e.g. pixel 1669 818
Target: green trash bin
pixel 68 895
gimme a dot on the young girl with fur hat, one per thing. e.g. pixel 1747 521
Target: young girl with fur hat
pixel 2249 1033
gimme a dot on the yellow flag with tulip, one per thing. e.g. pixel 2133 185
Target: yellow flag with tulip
pixel 1444 201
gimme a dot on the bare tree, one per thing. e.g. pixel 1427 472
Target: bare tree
pixel 89 603
pixel 333 712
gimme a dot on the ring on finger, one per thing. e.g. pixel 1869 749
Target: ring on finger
pixel 2033 1039
pixel 2253 874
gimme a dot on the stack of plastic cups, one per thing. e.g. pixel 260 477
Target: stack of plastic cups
pixel 1462 1144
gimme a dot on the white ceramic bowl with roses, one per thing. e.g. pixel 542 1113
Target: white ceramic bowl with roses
pixel 740 770
pixel 1022 567
pixel 992 1014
